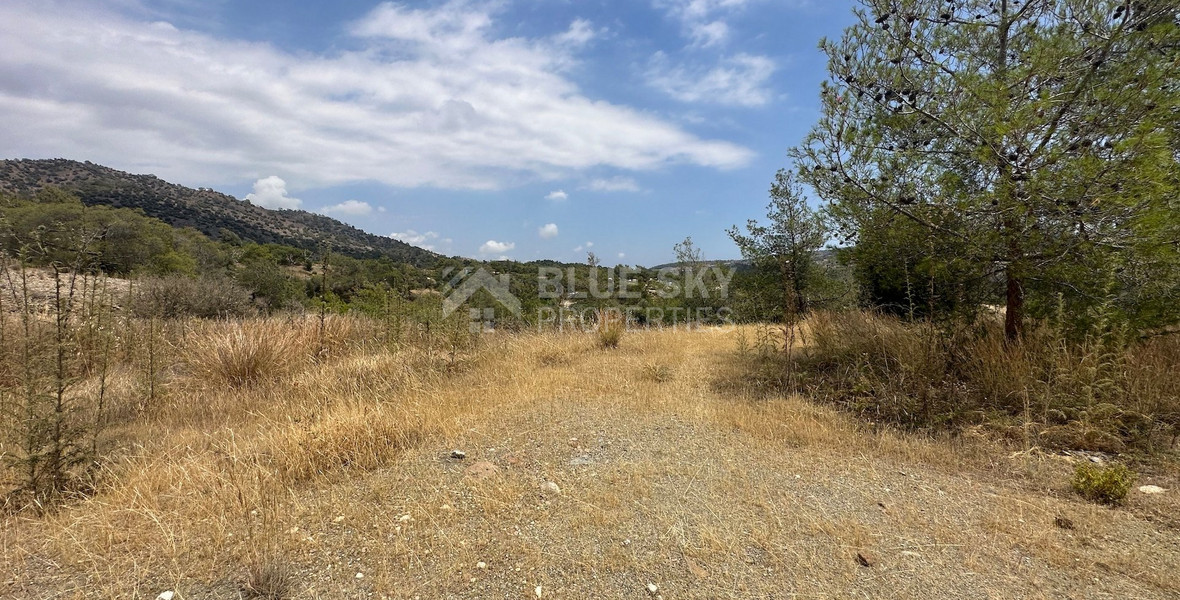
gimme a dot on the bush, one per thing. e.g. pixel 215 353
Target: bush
pixel 178 296
pixel 1104 484
pixel 1098 393
pixel 611 325
pixel 269 580
pixel 246 353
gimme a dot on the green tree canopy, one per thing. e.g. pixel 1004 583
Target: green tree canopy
pixel 1037 136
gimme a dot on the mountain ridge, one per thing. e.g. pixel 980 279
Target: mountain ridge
pixel 210 212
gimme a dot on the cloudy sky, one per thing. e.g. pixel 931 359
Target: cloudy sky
pixel 501 128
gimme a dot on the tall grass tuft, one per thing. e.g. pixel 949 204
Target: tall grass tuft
pixel 611 326
pixel 244 354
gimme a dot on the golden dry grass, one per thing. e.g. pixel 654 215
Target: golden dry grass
pixel 336 478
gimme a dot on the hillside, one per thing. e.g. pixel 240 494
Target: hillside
pixel 206 210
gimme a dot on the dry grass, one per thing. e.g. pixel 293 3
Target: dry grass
pixel 241 354
pixel 1095 394
pixel 341 466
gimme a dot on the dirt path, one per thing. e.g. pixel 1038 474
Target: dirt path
pixel 695 493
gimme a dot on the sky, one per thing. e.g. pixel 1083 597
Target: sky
pixel 521 129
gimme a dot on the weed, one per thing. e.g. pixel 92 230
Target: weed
pixel 658 373
pixel 611 325
pixel 1103 484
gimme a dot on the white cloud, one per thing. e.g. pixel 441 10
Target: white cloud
pixel 271 192
pixel 700 19
pixel 709 34
pixel 580 33
pixel 435 91
pixel 354 208
pixel 494 247
pixel 414 238
pixel 557 196
pixel 583 247
pixel 614 184
pixel 548 232
pixel 739 80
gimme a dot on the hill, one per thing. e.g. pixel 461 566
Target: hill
pixel 206 210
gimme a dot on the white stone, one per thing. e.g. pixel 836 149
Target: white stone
pixel 166 595
pixel 1152 489
pixel 481 565
pixel 653 588
pixel 551 488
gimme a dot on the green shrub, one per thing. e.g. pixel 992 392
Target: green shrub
pixel 1104 484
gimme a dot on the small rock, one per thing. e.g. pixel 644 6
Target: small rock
pixel 653 589
pixel 166 595
pixel 1063 523
pixel 339 519
pixel 445 507
pixel 538 591
pixel 360 575
pixel 1151 489
pixel 405 518
pixel 627 542
pixel 551 488
pixel 865 559
pixel 481 565
pixel 482 470
pixel 458 454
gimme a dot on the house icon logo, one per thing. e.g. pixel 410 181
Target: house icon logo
pixel 466 284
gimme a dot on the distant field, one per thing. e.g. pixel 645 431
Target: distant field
pixel 638 472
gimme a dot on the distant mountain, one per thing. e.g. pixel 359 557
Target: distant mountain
pixel 203 209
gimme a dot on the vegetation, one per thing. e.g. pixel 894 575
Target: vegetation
pixel 1104 484
pixel 1030 146
pixel 215 215
pixel 266 404
pixel 784 251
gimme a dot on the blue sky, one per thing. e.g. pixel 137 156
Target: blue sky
pixel 524 129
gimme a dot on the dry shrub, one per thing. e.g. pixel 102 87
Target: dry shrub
pixel 1095 394
pixel 611 326
pixel 243 354
pixel 269 580
pixel 178 296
